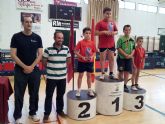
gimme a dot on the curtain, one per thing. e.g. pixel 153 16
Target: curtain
pixel 95 9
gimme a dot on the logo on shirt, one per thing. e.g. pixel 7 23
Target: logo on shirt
pixel 33 41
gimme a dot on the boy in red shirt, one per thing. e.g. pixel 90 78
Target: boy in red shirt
pixel 106 29
pixel 138 63
pixel 85 51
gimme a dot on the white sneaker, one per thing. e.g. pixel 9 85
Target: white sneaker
pixel 134 88
pixel 102 77
pixel 34 118
pixel 91 93
pixel 18 121
pixel 78 93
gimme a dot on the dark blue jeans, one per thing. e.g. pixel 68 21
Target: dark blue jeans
pixel 21 80
pixel 50 86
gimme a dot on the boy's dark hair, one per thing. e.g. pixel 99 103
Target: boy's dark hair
pixel 56 32
pixel 126 26
pixel 106 9
pixel 86 29
pixel 139 38
pixel 25 16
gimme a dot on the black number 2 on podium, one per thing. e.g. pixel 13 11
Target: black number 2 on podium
pixel 83 113
pixel 141 101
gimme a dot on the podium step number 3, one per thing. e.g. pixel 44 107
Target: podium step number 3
pixel 134 100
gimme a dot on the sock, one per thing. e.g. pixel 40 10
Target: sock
pixel 111 73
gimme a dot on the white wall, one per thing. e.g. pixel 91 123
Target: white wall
pixel 143 23
pixel 10 22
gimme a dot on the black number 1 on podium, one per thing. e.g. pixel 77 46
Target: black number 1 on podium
pixel 116 101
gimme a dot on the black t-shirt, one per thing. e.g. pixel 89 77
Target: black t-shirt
pixel 27 46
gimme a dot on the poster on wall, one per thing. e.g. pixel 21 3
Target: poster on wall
pixel 63 24
pixel 64 2
pixel 29 4
pixel 36 21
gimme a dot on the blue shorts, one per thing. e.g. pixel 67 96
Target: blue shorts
pixel 82 67
pixel 124 64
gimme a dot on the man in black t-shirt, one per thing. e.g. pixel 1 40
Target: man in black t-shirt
pixel 26 51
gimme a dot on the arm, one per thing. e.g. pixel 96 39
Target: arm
pixel 39 57
pixel 44 61
pixel 122 52
pixel 97 32
pixel 16 59
pixel 80 56
pixel 68 60
pixel 114 33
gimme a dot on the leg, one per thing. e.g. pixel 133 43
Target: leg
pixel 89 80
pixel 33 86
pixel 90 92
pixel 126 75
pixel 80 76
pixel 121 75
pixel 120 66
pixel 111 61
pixel 102 60
pixel 20 83
pixel 137 76
pixel 134 73
pixel 61 86
pixel 50 86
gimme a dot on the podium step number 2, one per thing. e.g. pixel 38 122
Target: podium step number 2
pixel 81 108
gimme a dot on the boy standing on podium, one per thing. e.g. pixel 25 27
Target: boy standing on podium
pixel 125 47
pixel 85 51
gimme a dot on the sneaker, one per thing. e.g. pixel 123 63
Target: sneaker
pixel 62 114
pixel 126 88
pixel 91 93
pixel 34 118
pixel 111 76
pixel 133 87
pixel 78 93
pixel 18 121
pixel 138 87
pixel 102 77
pixel 46 119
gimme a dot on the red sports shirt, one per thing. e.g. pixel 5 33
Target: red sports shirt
pixel 106 41
pixel 139 56
pixel 85 48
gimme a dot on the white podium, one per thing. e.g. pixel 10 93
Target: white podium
pixel 134 100
pixel 109 96
pixel 81 108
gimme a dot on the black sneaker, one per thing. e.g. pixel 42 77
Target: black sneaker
pixel 111 76
pixel 46 119
pixel 62 114
pixel 126 88
pixel 138 87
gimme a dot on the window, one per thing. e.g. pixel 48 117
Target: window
pixel 162 10
pixel 129 5
pixel 121 4
pixel 86 1
pixel 142 7
pixel 147 8
pixel 76 1
pixel 152 9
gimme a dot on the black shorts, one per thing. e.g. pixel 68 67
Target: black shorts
pixel 112 49
pixel 82 67
pixel 124 64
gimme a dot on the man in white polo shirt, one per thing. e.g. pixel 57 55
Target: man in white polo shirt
pixel 55 59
